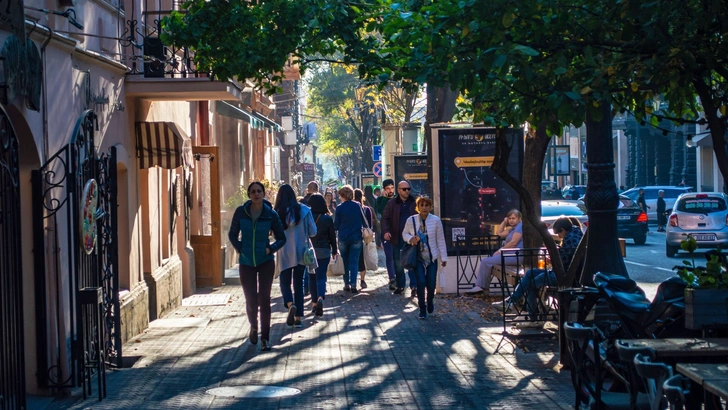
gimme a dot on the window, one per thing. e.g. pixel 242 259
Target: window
pixel 702 205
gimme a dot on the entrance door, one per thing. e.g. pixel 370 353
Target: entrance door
pixel 205 235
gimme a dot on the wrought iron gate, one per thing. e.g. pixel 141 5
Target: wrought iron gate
pixel 12 354
pixel 75 222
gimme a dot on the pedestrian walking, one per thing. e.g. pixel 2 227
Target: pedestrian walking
pixel 330 203
pixel 324 244
pixel 380 204
pixel 370 221
pixel 425 231
pixel 661 208
pixel 299 226
pixel 393 219
pixel 311 189
pixel 512 230
pixel 348 222
pixel 249 234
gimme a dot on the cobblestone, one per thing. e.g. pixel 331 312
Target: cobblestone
pixel 368 351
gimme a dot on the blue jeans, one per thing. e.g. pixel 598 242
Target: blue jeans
pixel 350 250
pixel 295 273
pixel 399 270
pixel 318 280
pixel 389 256
pixel 530 284
pixel 426 278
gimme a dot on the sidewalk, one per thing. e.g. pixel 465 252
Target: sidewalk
pixel 368 351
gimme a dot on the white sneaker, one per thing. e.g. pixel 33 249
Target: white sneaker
pixel 475 289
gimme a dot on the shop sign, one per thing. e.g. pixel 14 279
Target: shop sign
pixel 413 169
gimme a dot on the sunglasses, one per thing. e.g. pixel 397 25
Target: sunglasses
pixel 405 189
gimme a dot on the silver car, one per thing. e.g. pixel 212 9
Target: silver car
pixel 703 215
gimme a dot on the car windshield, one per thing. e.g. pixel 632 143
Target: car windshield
pixel 558 210
pixel 702 205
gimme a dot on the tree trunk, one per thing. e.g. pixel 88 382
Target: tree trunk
pixel 440 108
pixel 603 253
pixel 717 126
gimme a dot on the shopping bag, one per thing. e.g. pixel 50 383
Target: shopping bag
pixel 408 256
pixel 371 256
pixel 336 267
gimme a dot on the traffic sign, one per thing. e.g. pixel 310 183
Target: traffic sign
pixel 376 153
pixel 377 169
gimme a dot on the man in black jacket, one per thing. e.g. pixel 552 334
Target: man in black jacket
pixel 394 217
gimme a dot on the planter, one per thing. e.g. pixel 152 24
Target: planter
pixel 706 308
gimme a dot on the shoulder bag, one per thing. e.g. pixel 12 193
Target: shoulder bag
pixel 367 234
pixel 309 255
pixel 408 256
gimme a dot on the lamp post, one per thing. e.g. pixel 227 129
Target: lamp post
pixel 603 252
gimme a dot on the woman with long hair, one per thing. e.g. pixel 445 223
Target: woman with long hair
pixel 511 229
pixel 299 226
pixel 324 244
pixel 249 234
pixel 370 221
pixel 330 202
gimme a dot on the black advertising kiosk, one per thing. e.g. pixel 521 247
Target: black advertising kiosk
pixel 413 169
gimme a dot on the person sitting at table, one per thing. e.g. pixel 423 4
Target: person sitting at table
pixel 535 279
pixel 512 230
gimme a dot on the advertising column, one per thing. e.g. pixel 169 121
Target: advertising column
pixel 413 169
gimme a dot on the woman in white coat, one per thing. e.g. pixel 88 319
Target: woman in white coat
pixel 425 230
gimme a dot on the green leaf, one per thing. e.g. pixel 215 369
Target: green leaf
pixel 525 50
pixel 560 71
pixel 574 96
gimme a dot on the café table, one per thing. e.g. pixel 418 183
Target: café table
pixel 712 377
pixel 682 350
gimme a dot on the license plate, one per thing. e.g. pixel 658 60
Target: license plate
pixel 704 237
pixel 623 217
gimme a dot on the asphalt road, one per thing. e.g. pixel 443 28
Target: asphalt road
pixel 648 265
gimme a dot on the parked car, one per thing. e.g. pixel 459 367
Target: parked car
pixel 671 194
pixel 573 191
pixel 555 209
pixel 703 215
pixel 631 221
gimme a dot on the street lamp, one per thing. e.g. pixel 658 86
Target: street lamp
pixel 689 141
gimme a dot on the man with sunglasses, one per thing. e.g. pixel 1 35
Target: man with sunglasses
pixel 394 218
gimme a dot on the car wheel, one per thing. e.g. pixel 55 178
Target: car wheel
pixel 670 251
pixel 640 240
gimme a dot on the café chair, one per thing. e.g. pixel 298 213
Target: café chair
pixel 627 353
pixel 653 375
pixel 587 371
pixel 677 391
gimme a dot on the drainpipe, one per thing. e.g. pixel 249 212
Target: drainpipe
pixel 44 89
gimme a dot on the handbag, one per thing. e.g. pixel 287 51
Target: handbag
pixel 336 267
pixel 367 234
pixel 409 254
pixel 309 255
pixel 371 256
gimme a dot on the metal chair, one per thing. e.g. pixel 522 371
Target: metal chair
pixel 677 391
pixel 653 376
pixel 627 353
pixel 587 370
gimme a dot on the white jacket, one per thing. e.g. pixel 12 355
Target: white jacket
pixel 435 235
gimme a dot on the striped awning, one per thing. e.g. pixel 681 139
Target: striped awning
pixel 163 144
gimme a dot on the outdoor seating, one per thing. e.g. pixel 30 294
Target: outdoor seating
pixel 469 251
pixel 653 376
pixel 677 391
pixel 587 372
pixel 627 354
pixel 515 263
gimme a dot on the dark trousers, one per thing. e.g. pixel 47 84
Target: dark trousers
pixel 296 274
pixel 317 281
pixel 399 275
pixel 257 282
pixel 426 279
pixel 389 256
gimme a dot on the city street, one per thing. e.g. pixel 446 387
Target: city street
pixel 648 265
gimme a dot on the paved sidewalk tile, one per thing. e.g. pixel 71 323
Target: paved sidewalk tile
pixel 368 351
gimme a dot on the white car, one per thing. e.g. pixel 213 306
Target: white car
pixel 704 216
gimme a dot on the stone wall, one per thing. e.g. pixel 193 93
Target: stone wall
pixel 165 288
pixel 134 312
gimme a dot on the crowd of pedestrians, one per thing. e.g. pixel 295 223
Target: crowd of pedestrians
pixel 309 234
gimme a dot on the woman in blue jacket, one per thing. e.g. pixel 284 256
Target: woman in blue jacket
pixel 249 233
pixel 299 226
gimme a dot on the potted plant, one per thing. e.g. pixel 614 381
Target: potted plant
pixel 706 297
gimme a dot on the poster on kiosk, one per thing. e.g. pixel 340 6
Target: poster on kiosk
pixel 468 196
pixel 413 169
